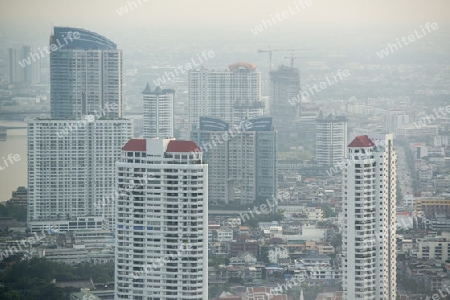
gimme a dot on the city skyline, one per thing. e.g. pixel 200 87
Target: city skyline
pixel 204 150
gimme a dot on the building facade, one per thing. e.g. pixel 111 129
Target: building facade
pixel 71 171
pixel 158 112
pixel 229 95
pixel 241 159
pixel 161 232
pixel 284 86
pixel 85 74
pixel 72 156
pixel 331 139
pixel 369 225
pixel 24 66
pixel 434 247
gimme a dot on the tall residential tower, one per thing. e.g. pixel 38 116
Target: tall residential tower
pixel 162 219
pixel 71 172
pixel 331 139
pixel 369 225
pixel 158 112
pixel 229 95
pixel 72 156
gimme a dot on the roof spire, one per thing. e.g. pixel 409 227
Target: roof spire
pixel 147 89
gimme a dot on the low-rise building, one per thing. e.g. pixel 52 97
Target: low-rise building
pixel 437 248
pixel 73 256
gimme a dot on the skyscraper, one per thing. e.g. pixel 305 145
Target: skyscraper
pixel 71 163
pixel 369 225
pixel 395 118
pixel 23 67
pixel 241 159
pixel 158 112
pixel 85 74
pixel 331 139
pixel 71 168
pixel 161 233
pixel 284 86
pixel 225 94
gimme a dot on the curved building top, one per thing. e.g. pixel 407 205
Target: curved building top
pixel 249 66
pixel 87 40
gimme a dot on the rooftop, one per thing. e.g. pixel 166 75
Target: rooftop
pixel 361 141
pixel 87 40
pixel 140 145
pixel 182 146
pixel 248 66
pixel 137 145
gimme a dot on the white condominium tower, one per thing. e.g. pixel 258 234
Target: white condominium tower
pixel 162 219
pixel 369 227
pixel 331 139
pixel 72 156
pixel 158 112
pixel 71 168
pixel 225 94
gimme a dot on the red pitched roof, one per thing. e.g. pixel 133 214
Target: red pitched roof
pixel 248 66
pixel 136 145
pixel 361 141
pixel 182 146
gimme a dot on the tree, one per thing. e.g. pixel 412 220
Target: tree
pixel 14 211
pixel 328 212
pixel 31 280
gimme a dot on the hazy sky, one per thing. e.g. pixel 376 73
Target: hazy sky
pixel 230 13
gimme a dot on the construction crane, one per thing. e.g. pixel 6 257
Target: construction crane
pixel 292 57
pixel 273 50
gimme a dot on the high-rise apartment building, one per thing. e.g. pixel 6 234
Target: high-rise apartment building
pixel 369 224
pixel 71 172
pixel 331 139
pixel 284 86
pixel 85 74
pixel 396 118
pixel 71 157
pixel 229 95
pixel 161 230
pixel 158 112
pixel 241 159
pixel 23 66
